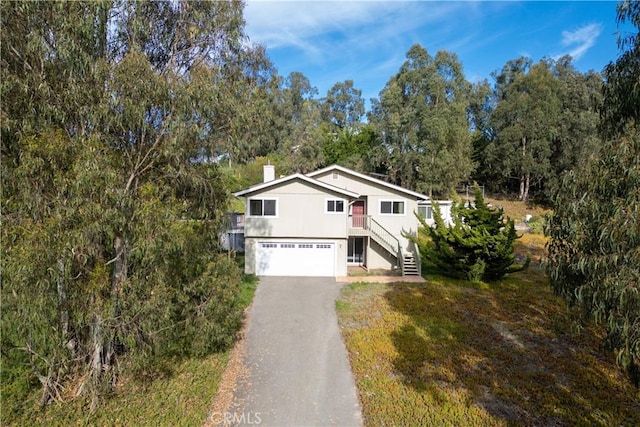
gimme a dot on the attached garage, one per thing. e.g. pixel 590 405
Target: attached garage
pixel 295 258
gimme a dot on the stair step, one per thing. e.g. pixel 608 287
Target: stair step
pixel 410 266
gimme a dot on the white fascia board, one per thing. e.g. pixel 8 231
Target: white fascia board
pixel 265 185
pixel 415 194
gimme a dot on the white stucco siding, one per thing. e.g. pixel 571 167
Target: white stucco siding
pixel 301 211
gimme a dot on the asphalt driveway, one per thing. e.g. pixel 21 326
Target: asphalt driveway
pixel 298 372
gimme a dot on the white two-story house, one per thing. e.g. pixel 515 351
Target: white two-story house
pixel 319 223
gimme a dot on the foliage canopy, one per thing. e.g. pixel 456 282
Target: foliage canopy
pixel 110 213
pixel 594 252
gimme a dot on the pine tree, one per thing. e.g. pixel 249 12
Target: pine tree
pixel 479 245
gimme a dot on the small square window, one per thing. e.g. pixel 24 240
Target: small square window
pixel 255 207
pixel 269 208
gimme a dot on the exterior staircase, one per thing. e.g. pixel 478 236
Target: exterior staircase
pixel 409 265
pixel 365 225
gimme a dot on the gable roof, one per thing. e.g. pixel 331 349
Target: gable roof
pixel 370 179
pixel 265 185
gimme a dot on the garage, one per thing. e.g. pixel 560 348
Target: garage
pixel 295 259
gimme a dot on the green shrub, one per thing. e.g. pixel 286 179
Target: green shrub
pixel 479 245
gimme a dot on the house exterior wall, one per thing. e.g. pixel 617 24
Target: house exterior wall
pixel 378 258
pixel 301 217
pixel 396 224
pixel 445 211
pixel 300 213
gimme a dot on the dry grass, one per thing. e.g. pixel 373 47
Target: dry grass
pixel 516 209
pixel 450 353
pixel 181 398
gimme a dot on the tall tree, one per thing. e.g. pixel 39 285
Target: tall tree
pixel 422 116
pixel 298 127
pixel 576 136
pixel 525 121
pixel 344 106
pixel 539 121
pixel 356 149
pixel 594 251
pixel 110 231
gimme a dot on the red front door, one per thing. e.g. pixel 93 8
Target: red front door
pixel 357 212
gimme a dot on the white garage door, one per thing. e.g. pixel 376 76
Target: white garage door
pixel 295 259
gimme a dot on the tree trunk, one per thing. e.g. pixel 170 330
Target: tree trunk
pixel 63 309
pixel 119 277
pixel 102 335
pixel 97 358
pixel 527 181
pixel 524 177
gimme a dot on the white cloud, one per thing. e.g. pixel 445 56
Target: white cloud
pixel 321 28
pixel 581 40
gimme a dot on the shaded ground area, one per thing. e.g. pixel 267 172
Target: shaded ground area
pixel 449 353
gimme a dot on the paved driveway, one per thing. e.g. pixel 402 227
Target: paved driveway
pixel 298 369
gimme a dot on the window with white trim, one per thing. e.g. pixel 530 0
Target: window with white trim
pixel 425 212
pixel 392 207
pixel 262 207
pixel 334 205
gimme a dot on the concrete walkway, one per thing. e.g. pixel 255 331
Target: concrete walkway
pixel 381 279
pixel 298 372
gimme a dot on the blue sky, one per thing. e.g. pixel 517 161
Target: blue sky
pixel 366 41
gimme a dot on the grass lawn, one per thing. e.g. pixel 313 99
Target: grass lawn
pixel 453 353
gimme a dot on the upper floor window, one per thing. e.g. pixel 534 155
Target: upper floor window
pixel 425 212
pixel 262 207
pixel 392 207
pixel 335 205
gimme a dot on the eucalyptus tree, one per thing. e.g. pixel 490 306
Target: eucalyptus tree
pixel 344 106
pixel 539 122
pixel 347 140
pixel 575 139
pixel 422 117
pixel 594 251
pixel 299 118
pixel 110 216
pixel 525 121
